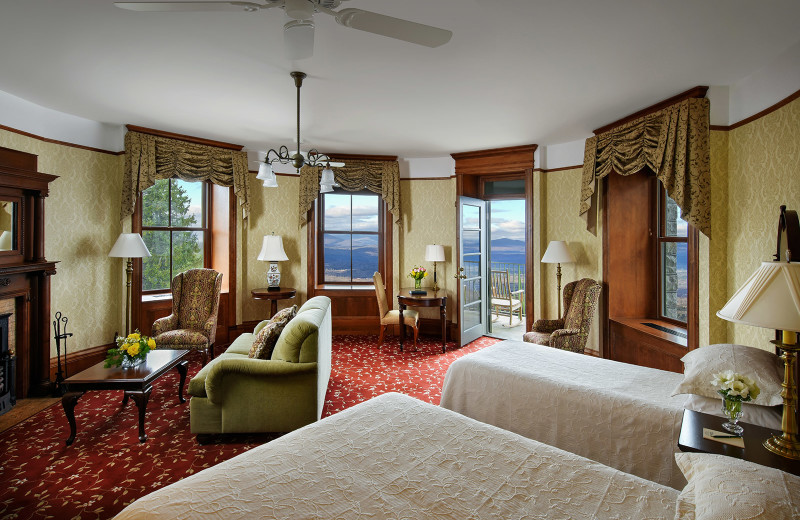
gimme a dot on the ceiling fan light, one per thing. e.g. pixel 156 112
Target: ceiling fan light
pixel 327 177
pixel 299 9
pixel 326 188
pixel 265 171
pixel 298 39
pixel 271 183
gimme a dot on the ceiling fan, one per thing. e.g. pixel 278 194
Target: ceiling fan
pixel 298 33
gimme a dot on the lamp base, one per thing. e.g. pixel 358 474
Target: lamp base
pixel 787 444
pixel 273 277
pixel 273 288
pixel 783 446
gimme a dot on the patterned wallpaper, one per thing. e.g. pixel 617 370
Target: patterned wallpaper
pixel 429 217
pixel 763 173
pixel 561 222
pixel 714 251
pixel 81 225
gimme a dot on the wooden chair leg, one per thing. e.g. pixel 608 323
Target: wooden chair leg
pixel 211 351
pixel 205 356
pixel 416 334
pixel 380 335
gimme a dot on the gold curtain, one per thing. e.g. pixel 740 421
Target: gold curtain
pixel 673 142
pixel 149 158
pixel 381 177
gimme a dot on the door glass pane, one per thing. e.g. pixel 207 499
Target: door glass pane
pixel 155 269
pixel 337 257
pixel 187 204
pixel 472 315
pixel 674 280
pixel 471 241
pixel 472 266
pixel 472 291
pixel 187 251
pixel 365 257
pixel 155 204
pixel 471 217
pixel 365 213
pixel 337 212
pixel 674 225
pixel 515 187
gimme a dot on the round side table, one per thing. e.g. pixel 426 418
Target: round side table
pixel 284 293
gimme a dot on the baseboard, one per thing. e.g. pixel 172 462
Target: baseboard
pixel 80 360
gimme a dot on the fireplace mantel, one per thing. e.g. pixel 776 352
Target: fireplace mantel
pixel 24 271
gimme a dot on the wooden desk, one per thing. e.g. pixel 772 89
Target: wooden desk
pixel 691 440
pixel 431 299
pixel 135 382
pixel 284 293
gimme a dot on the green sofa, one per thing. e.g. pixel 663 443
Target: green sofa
pixel 237 394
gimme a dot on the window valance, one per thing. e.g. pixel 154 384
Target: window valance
pixel 150 157
pixel 673 143
pixel 381 177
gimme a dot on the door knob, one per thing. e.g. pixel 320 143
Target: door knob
pixel 460 274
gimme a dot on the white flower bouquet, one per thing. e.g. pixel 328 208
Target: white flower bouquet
pixel 735 386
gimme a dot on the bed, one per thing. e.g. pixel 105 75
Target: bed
pixel 614 413
pixel 396 457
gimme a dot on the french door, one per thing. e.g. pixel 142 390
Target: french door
pixel 472 232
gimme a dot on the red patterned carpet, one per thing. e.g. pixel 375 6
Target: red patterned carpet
pixel 106 467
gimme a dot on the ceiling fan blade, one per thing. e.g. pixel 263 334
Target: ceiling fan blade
pixel 193 6
pixel 397 28
pixel 298 39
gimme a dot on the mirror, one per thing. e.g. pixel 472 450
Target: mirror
pixel 8 219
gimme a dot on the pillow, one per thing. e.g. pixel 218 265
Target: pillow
pixel 701 364
pixel 265 341
pixel 726 487
pixel 766 416
pixel 283 316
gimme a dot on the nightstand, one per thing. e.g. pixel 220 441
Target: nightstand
pixel 691 440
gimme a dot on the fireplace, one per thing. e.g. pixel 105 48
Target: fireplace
pixel 8 368
pixel 24 276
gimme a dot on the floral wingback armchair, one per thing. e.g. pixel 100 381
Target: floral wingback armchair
pixel 571 331
pixel 193 322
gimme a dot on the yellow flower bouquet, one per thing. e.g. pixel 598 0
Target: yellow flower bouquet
pixel 131 350
pixel 418 273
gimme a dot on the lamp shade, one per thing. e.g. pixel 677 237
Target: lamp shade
pixel 266 174
pixel 129 245
pixel 557 253
pixel 434 253
pixel 770 298
pixel 272 249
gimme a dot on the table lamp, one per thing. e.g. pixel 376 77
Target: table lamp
pixel 130 246
pixel 272 252
pixel 558 253
pixel 770 298
pixel 434 253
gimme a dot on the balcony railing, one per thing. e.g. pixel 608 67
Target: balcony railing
pixel 516 277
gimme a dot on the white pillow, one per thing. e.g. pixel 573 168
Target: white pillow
pixel 766 416
pixel 700 365
pixel 722 487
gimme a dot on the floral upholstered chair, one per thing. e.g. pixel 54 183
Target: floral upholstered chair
pixel 193 322
pixel 571 331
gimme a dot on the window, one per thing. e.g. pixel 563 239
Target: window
pixel 350 237
pixel 175 229
pixel 673 260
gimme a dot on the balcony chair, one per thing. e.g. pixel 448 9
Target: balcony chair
pixel 193 322
pixel 392 317
pixel 503 298
pixel 571 331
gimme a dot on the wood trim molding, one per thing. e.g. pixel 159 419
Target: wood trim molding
pixel 183 137
pixel 780 104
pixel 496 160
pixel 427 178
pixel 62 143
pixel 361 157
pixel 81 359
pixel 696 92
pixel 561 169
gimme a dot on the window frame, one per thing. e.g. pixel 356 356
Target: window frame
pixel 206 229
pixel 691 263
pixel 320 240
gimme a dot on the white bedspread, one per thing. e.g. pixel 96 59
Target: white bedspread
pixel 615 413
pixel 395 457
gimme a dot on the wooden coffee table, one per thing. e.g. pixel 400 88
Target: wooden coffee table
pixel 135 382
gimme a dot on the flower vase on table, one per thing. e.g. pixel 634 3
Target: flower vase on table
pixel 418 273
pixel 131 351
pixel 418 284
pixel 735 389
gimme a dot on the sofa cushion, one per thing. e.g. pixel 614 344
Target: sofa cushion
pixel 241 345
pixel 284 316
pixel 300 333
pixel 265 341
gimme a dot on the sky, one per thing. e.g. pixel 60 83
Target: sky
pixel 508 219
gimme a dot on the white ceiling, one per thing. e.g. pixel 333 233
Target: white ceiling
pixel 515 72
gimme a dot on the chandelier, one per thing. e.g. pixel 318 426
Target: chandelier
pixel 298 159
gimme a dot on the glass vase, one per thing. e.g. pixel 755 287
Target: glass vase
pixel 130 362
pixel 417 283
pixel 732 409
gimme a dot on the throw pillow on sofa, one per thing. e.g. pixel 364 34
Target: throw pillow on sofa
pixel 265 341
pixel 283 316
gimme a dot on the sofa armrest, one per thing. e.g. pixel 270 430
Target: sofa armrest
pixel 164 324
pixel 567 339
pixel 547 325
pixel 255 369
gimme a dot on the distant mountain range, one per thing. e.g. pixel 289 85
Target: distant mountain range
pixel 508 251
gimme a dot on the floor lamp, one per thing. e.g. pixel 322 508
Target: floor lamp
pixel 558 253
pixel 130 246
pixel 770 298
